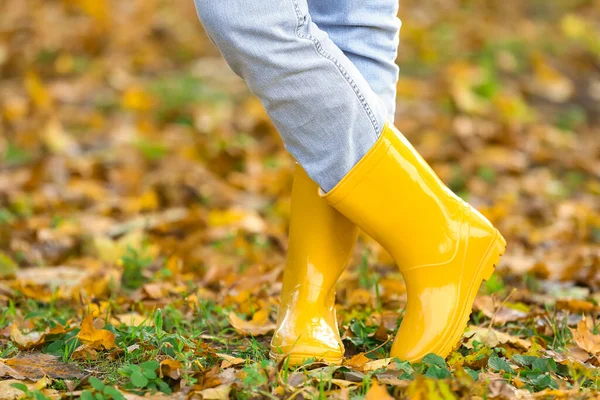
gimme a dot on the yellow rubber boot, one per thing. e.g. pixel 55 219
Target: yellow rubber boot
pixel 321 241
pixel 443 247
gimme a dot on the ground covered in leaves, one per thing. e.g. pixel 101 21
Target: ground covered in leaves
pixel 144 200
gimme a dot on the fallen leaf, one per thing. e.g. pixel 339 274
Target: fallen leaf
pixel 357 361
pixel 84 353
pixel 220 392
pixel 377 392
pixel 257 326
pixel 8 267
pixel 576 305
pixel 5 370
pixel 7 392
pixel 493 338
pixel 229 361
pixel 585 339
pixel 32 339
pixel 35 366
pixel 377 364
pixel 95 338
pixel 500 313
pixel 170 368
pixel 131 319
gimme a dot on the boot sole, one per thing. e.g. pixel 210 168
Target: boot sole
pixel 296 359
pixel 485 271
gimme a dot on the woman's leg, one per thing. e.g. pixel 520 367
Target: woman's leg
pixel 324 109
pixel 321 239
pixel 367 31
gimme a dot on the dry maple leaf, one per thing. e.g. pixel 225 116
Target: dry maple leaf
pixel 95 338
pixel 35 366
pixel 585 339
pixel 258 325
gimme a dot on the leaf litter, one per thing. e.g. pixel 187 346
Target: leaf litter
pixel 144 205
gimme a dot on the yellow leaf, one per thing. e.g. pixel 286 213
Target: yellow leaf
pixel 37 91
pixel 137 99
pixel 229 361
pixel 377 392
pixel 585 339
pixel 259 325
pixel 95 338
pixel 573 26
pixel 97 9
pixel 357 361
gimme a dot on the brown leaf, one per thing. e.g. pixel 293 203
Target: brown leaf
pixel 170 368
pixel 357 361
pixel 5 370
pixel 257 326
pixel 381 333
pixel 585 339
pixel 35 366
pixel 576 305
pixel 84 353
pixel 97 339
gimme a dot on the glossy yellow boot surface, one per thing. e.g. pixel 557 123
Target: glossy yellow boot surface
pixel 443 247
pixel 321 241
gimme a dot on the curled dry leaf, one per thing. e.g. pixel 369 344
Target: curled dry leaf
pixel 257 326
pixel 5 370
pixel 35 366
pixel 170 368
pixel 97 339
pixel 84 353
pixel 585 339
pixel 32 339
pixel 229 361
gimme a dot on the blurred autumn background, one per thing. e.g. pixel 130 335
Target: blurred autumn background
pixel 144 202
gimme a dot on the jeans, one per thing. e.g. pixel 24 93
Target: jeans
pixel 323 69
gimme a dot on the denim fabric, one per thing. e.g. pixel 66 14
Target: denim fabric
pixel 325 110
pixel 367 32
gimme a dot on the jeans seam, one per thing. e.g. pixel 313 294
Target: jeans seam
pixel 340 67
